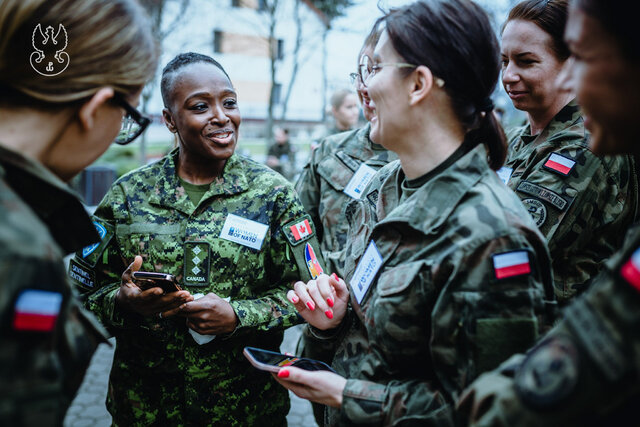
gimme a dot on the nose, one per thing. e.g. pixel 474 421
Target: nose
pixel 565 78
pixel 510 74
pixel 218 115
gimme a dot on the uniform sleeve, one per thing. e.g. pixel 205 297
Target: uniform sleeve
pixel 294 255
pixel 479 318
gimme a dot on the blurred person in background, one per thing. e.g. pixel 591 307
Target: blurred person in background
pixel 61 106
pixel 582 202
pixel 281 155
pixel 345 112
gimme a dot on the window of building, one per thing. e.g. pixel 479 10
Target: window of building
pixel 217 41
pixel 277 93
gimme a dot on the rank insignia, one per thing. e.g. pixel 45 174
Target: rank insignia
pixel 559 164
pixel 196 263
pixel 511 264
pixel 315 269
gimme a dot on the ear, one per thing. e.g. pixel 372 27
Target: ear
pixel 89 111
pixel 422 83
pixel 168 120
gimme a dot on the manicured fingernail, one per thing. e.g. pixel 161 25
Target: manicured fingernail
pixel 330 302
pixel 294 299
pixel 329 314
pixel 283 373
pixel 335 276
pixel 311 305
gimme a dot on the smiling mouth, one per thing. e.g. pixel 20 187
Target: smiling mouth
pixel 223 136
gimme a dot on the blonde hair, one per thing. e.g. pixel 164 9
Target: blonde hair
pixel 110 43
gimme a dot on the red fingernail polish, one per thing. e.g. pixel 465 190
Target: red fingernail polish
pixel 335 276
pixel 311 305
pixel 330 302
pixel 294 299
pixel 329 314
pixel 283 373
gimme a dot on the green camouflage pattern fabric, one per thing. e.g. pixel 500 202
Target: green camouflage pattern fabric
pixel 435 315
pixel 40 221
pixel 586 371
pixel 583 215
pixel 160 376
pixel 320 187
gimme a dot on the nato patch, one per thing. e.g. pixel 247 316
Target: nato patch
pixel 348 160
pixel 549 374
pixel 90 254
pixel 536 209
pixel 543 194
pixel 81 275
pixel 299 230
pixel 559 164
pixel 196 263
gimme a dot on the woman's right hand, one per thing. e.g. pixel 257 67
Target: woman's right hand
pixel 150 302
pixel 321 302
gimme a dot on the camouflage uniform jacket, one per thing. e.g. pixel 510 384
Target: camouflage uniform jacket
pixel 160 375
pixel 439 311
pixel 582 203
pixel 323 181
pixel 586 371
pixel 47 339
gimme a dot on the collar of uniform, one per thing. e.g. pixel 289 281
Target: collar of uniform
pixel 442 193
pixel 361 147
pixel 51 199
pixel 566 117
pixel 232 181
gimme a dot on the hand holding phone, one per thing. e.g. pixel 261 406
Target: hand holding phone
pixel 271 361
pixel 147 279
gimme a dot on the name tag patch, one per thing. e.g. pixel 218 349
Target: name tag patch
pixel 511 264
pixel 559 164
pixel 542 193
pixel 36 310
pixel 366 271
pixel 244 231
pixel 359 181
pixel 504 173
pixel 81 275
pixel 196 263
pixel 314 267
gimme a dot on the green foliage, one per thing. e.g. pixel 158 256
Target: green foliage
pixel 333 8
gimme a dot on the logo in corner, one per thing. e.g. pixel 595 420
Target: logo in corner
pixel 312 262
pixel 88 250
pixel 49 58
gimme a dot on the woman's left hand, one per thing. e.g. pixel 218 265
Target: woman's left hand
pixel 209 315
pixel 318 386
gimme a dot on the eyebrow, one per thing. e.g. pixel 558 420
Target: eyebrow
pixel 225 92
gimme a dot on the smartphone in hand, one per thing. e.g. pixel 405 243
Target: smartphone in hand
pixel 271 361
pixel 148 279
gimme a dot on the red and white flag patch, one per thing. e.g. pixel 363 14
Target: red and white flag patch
pixel 510 264
pixel 36 310
pixel 560 164
pixel 301 230
pixel 631 270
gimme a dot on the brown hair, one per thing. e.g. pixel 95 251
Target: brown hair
pixel 550 16
pixel 110 43
pixel 338 97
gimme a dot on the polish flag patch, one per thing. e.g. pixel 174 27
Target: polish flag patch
pixel 36 310
pixel 301 230
pixel 559 164
pixel 631 270
pixel 511 264
pixel 313 265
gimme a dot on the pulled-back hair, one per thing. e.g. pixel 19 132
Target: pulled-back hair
pixel 110 43
pixel 550 16
pixel 337 99
pixel 454 39
pixel 181 61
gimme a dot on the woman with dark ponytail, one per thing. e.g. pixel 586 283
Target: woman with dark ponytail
pixel 446 274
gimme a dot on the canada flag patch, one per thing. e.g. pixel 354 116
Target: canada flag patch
pixel 36 310
pixel 301 230
pixel 315 269
pixel 559 164
pixel 510 264
pixel 631 270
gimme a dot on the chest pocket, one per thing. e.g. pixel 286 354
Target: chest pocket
pixel 335 172
pixel 157 244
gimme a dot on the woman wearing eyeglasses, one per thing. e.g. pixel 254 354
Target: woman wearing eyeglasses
pixel 446 274
pixel 59 110
pixel 232 232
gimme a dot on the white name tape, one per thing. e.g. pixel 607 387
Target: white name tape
pixel 366 271
pixel 359 181
pixel 244 231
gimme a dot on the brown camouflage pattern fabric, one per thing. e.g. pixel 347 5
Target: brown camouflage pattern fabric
pixel 583 215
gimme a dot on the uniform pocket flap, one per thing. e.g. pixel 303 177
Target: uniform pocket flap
pixel 335 173
pixel 397 279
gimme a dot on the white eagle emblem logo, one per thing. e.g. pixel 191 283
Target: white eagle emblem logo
pixel 49 58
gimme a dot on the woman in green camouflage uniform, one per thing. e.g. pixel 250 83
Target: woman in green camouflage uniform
pixel 233 232
pixel 61 107
pixel 447 273
pixel 582 203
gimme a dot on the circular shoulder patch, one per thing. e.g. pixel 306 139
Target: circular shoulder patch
pixel 549 374
pixel 536 209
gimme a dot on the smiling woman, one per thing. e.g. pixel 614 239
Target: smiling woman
pixel 228 229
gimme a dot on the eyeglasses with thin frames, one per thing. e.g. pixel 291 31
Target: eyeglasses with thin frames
pixel 368 68
pixel 133 122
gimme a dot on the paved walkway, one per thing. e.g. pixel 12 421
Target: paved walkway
pixel 88 408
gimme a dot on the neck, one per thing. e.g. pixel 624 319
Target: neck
pixel 198 172
pixel 540 119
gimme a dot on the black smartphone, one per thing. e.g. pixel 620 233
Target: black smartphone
pixel 271 361
pixel 148 279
